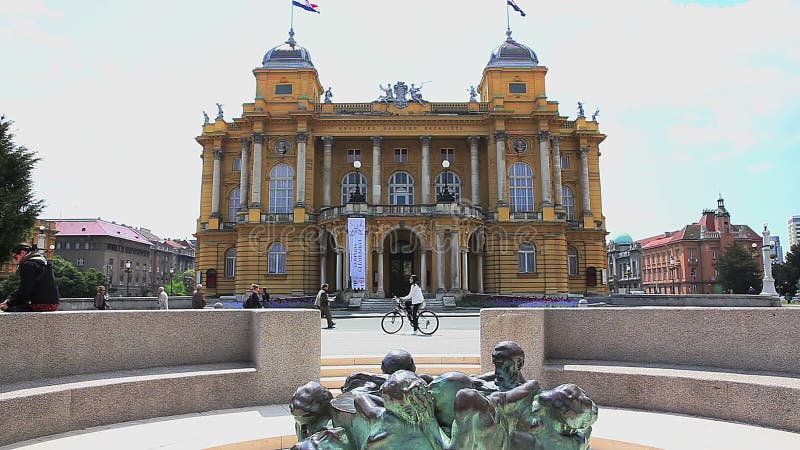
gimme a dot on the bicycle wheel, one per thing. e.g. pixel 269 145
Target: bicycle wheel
pixel 428 322
pixel 392 322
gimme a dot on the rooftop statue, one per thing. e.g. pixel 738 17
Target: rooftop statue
pixel 401 409
pixel 387 96
pixel 328 95
pixel 205 118
pixel 473 94
pixel 580 110
pixel 219 111
pixel 596 113
pixel 416 95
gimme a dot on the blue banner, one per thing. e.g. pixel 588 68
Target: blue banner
pixel 357 248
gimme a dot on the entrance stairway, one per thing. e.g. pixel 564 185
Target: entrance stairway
pixel 334 370
pixel 379 305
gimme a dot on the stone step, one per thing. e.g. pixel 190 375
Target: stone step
pixel 433 369
pixel 334 370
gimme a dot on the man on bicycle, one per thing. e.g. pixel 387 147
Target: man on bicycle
pixel 413 301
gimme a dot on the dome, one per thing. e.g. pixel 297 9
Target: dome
pixel 513 54
pixel 623 238
pixel 288 55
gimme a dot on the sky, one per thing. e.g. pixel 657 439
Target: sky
pixel 697 98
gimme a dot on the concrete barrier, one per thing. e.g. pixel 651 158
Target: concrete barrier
pixel 65 371
pixel 727 363
pixel 125 303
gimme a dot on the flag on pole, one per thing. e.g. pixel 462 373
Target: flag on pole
pixel 308 6
pixel 510 3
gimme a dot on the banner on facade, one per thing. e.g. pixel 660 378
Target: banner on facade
pixel 357 248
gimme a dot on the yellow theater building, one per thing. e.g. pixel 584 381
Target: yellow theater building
pixel 497 195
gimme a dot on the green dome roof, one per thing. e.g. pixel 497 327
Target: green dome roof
pixel 623 238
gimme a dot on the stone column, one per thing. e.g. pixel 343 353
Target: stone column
pixel 215 183
pixel 243 178
pixel 255 188
pixel 379 260
pixel 544 159
pixel 473 169
pixel 425 179
pixel 500 144
pixel 440 261
pixel 465 269
pixel 322 277
pixel 338 281
pixel 557 170
pixel 376 170
pixel 423 267
pixel 455 262
pixel 587 202
pixel 302 138
pixel 326 170
pixel 479 270
pixel 768 283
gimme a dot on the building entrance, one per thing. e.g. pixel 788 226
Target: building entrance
pixel 401 265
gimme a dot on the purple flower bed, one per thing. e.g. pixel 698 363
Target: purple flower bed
pixel 511 301
pixel 277 302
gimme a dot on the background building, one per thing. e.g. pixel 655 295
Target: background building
pixel 683 261
pixel 624 264
pixel 794 231
pixel 134 261
pixel 500 195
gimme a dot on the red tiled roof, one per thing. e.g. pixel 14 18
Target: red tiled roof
pixel 98 228
pixel 662 239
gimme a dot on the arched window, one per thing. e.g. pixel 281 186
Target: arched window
pixel 452 181
pixel 521 187
pixel 230 262
pixel 276 258
pixel 572 260
pixel 568 200
pixel 401 189
pixel 352 182
pixel 233 204
pixel 527 257
pixel 281 189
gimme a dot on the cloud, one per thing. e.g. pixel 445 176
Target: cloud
pixel 760 167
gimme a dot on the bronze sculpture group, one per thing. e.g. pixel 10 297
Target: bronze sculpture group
pixel 402 409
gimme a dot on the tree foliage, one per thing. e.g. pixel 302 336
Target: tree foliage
pixel 18 208
pixel 739 270
pixel 72 283
pixel 181 283
pixel 787 275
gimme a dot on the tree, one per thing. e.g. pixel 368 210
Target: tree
pixel 181 283
pixel 739 270
pixel 71 282
pixel 787 275
pixel 18 208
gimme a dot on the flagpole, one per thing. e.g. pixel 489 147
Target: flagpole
pixel 291 20
pixel 508 19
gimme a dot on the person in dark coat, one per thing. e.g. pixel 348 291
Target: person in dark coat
pixel 101 299
pixel 253 300
pixel 264 297
pixel 38 290
pixel 198 299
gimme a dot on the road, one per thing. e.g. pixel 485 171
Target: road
pixel 363 336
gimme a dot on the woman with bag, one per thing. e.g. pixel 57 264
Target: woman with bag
pixel 253 300
pixel 101 299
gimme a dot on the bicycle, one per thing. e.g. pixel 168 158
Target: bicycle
pixel 427 321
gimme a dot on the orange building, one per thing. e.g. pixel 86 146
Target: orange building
pixel 683 261
pixel 43 235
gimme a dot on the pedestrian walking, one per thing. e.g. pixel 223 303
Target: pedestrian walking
pixel 198 299
pixel 163 299
pixel 324 304
pixel 101 299
pixel 414 301
pixel 38 290
pixel 254 299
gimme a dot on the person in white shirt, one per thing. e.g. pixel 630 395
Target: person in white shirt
pixel 163 300
pixel 413 301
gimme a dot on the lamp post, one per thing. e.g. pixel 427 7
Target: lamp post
pixel 357 196
pixel 671 266
pixel 128 278
pixel 109 275
pixel 768 283
pixel 171 273
pixel 445 196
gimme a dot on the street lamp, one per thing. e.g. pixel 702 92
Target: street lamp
pixel 672 264
pixel 171 273
pixel 356 196
pixel 109 275
pixel 446 196
pixel 128 278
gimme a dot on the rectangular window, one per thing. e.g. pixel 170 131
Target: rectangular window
pixel 353 154
pixel 237 164
pixel 401 155
pixel 283 89
pixel 517 88
pixel 80 262
pixel 86 246
pixel 448 154
pixel 67 246
pixel 565 162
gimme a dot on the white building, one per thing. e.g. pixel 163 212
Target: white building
pixel 794 231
